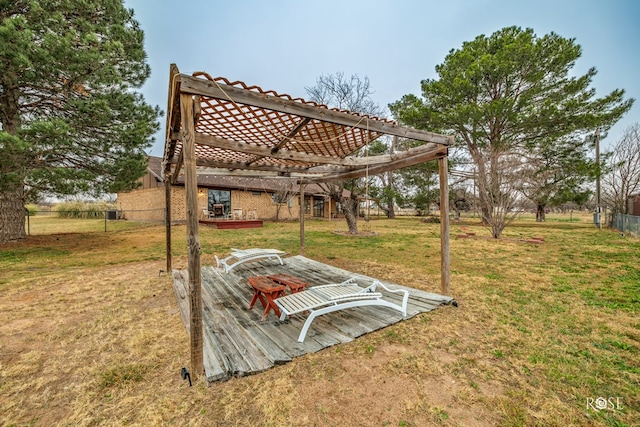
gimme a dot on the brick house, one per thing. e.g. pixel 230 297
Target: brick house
pixel 255 198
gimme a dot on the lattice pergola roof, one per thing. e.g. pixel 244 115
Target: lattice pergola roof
pixel 245 130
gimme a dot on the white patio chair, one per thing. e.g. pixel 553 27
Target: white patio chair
pixel 240 256
pixel 319 300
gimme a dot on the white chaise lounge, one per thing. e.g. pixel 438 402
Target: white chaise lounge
pixel 319 300
pixel 239 256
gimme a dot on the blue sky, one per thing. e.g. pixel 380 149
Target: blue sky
pixel 285 45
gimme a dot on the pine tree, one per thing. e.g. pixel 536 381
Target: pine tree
pixel 511 101
pixel 71 120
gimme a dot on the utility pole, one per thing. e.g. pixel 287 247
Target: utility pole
pixel 596 137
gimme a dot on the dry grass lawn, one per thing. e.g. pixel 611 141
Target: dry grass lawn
pixel 91 335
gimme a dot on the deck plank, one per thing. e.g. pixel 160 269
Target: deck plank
pixel 260 336
pixel 237 342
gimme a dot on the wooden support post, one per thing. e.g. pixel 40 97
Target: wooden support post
pixel 187 110
pixel 445 262
pixel 167 218
pixel 301 218
pixel 172 123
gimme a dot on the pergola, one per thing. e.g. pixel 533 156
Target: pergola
pixel 215 126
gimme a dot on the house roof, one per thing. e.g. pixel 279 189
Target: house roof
pixel 241 130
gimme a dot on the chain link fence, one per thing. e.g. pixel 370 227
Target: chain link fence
pixel 628 224
pixel 88 221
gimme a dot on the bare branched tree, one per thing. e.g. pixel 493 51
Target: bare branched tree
pixel 353 94
pixel 285 192
pixel 498 192
pixel 622 178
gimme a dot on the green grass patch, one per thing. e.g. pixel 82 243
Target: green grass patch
pixel 538 331
pixel 120 375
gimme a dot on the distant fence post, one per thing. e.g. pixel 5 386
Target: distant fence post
pixel 28 222
pixel 105 221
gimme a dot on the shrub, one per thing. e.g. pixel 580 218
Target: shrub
pixel 83 210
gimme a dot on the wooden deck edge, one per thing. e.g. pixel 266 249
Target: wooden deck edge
pixel 181 293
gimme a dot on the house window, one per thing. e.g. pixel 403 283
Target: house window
pixel 307 205
pixel 318 207
pixel 219 197
pixel 256 193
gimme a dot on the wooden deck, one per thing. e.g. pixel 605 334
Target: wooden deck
pixel 237 343
pixel 233 223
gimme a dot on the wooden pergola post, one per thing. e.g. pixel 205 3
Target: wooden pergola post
pixel 301 218
pixel 188 111
pixel 445 262
pixel 167 218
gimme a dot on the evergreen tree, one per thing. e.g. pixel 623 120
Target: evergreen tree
pixel 71 121
pixel 509 98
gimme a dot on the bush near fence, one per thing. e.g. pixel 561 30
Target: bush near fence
pixel 83 210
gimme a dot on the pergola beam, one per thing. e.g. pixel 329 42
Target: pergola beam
pixel 173 114
pixel 251 172
pixel 179 164
pixel 240 147
pixel 214 89
pixel 290 135
pixel 321 173
pixel 278 169
pixel 379 169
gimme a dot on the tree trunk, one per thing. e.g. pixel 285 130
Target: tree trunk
pixel 391 212
pixel 457 212
pixel 540 215
pixel 11 196
pixel 349 206
pixel 12 215
pixel 497 229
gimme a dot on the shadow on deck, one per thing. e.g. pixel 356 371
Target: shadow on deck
pixel 237 343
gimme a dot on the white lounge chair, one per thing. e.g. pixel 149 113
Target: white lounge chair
pixel 239 256
pixel 319 300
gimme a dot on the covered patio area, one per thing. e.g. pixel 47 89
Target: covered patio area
pixel 218 127
pixel 237 342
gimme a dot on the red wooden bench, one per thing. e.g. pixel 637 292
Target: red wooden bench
pixel 295 284
pixel 265 290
